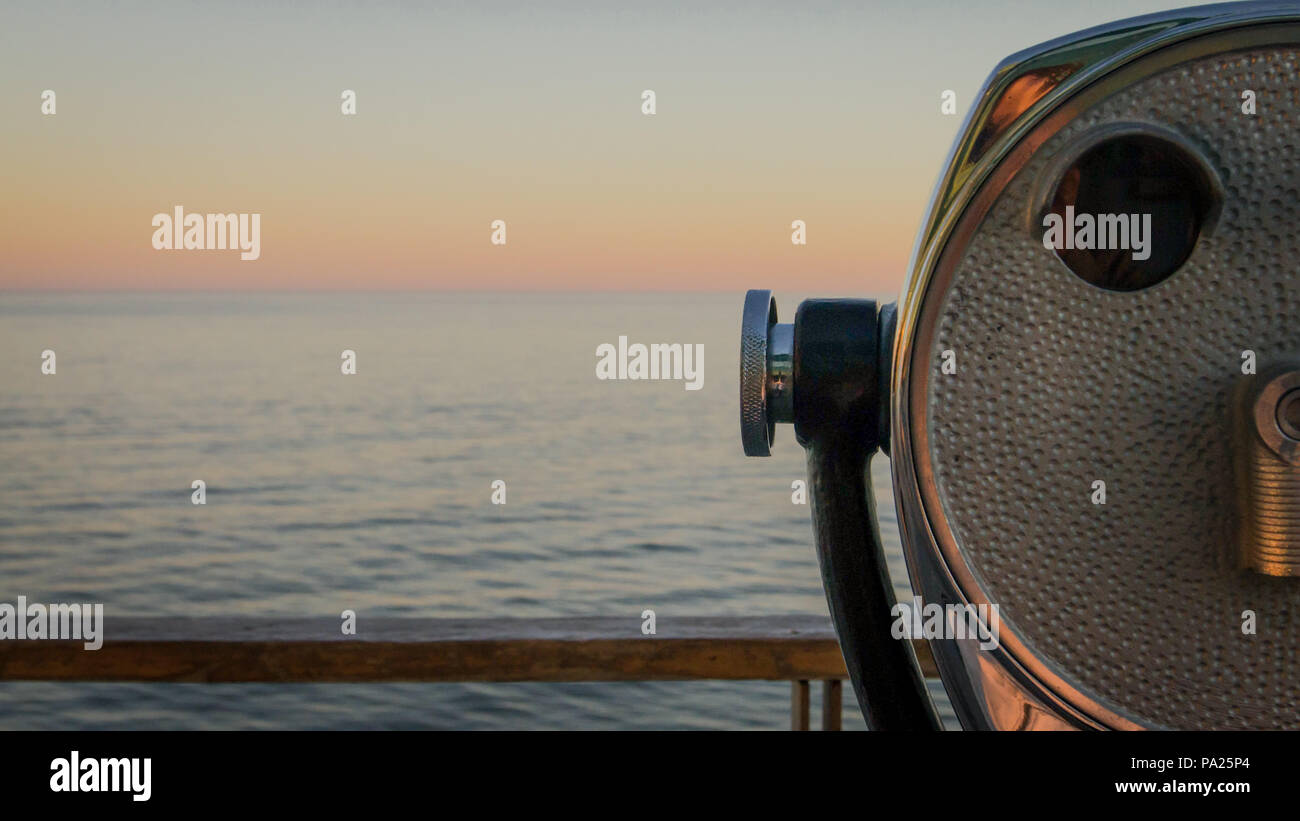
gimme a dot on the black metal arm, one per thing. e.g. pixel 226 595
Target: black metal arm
pixel 840 357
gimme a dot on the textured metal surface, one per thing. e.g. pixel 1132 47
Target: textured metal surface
pixel 756 425
pixel 1060 385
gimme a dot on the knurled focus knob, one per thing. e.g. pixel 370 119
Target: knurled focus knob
pixel 766 372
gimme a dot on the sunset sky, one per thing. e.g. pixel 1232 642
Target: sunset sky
pixel 468 113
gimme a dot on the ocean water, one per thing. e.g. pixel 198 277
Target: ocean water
pixel 372 492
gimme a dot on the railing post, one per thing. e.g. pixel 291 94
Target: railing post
pixel 831 689
pixel 799 706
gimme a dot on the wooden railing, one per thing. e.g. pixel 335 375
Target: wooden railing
pixel 798 649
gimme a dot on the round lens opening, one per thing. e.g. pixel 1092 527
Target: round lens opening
pixel 1128 211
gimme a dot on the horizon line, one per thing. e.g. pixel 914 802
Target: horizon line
pixel 380 290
